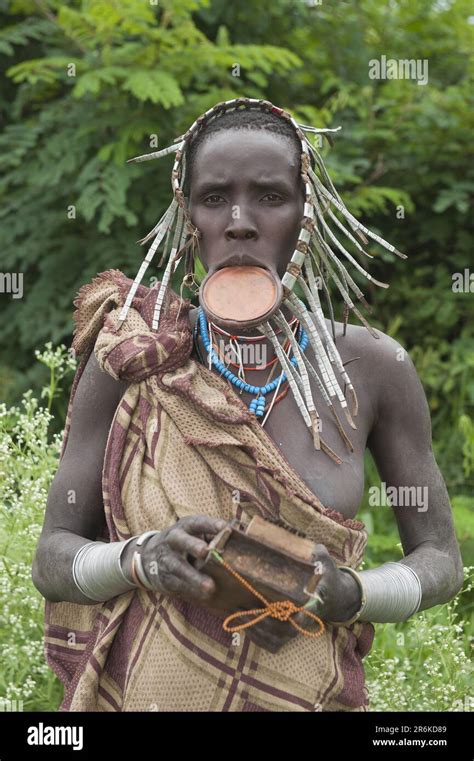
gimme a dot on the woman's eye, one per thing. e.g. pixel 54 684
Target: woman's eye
pixel 213 196
pixel 273 196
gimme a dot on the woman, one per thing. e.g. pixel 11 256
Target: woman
pixel 181 442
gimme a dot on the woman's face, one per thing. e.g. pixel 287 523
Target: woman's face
pixel 246 198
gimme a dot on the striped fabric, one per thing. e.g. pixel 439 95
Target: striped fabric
pixel 182 442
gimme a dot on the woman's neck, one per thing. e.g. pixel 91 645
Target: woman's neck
pixel 256 353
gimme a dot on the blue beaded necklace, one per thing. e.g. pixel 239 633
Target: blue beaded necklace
pixel 257 405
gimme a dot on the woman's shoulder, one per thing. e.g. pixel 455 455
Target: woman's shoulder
pixel 374 345
pixel 383 362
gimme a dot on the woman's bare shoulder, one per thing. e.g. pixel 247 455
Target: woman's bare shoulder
pixel 377 346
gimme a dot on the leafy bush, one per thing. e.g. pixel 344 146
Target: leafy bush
pixel 424 664
pixel 28 460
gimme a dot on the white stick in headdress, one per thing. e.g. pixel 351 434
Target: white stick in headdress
pixel 318 246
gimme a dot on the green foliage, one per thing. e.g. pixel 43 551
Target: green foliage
pixel 22 33
pixel 28 460
pixel 423 664
pixel 466 427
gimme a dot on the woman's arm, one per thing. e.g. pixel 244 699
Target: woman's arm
pixel 75 511
pixel 400 442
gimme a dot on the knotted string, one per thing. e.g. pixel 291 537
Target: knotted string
pixel 282 610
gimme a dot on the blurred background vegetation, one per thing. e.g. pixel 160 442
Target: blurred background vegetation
pixel 86 85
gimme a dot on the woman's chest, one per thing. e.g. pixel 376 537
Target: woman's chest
pixel 338 486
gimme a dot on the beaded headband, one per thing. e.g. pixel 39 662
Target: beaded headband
pixel 316 251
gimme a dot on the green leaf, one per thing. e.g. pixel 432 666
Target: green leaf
pixel 155 86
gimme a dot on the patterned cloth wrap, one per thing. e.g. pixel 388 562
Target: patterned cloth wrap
pixel 181 443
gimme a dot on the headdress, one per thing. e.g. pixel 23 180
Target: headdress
pixel 315 260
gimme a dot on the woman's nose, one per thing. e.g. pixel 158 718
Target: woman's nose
pixel 236 233
pixel 240 227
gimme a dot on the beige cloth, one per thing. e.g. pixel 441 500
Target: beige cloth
pixel 182 442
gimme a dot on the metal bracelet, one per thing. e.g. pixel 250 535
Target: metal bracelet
pixel 137 565
pixel 97 570
pixel 393 592
pixel 390 593
pixel 363 602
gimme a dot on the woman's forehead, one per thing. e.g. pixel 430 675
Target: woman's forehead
pixel 247 148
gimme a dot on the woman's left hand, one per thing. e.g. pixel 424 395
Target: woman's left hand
pixel 340 596
pixel 339 591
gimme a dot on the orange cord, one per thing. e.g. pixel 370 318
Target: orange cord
pixel 282 610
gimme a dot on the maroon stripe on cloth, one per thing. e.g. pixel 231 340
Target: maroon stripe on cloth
pixel 192 646
pixel 108 697
pixel 232 689
pixel 204 621
pixel 66 652
pixel 129 462
pixel 276 692
pixel 126 407
pixel 366 638
pixel 334 662
pixel 87 655
pixel 63 663
pixel 168 342
pixel 154 621
pixel 136 430
pixel 144 409
pixel 156 434
pixel 225 667
pixel 265 486
pixel 117 357
pixel 59 662
pixel 95 665
pixel 352 694
pixel 60 632
pixel 111 469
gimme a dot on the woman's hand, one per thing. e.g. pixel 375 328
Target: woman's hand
pixel 340 596
pixel 165 558
pixel 339 591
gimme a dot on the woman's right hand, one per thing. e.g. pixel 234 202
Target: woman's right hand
pixel 165 558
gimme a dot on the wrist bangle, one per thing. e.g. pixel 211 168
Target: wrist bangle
pixel 138 573
pixel 363 603
pixel 389 593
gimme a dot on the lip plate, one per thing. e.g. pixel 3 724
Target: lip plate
pixel 247 291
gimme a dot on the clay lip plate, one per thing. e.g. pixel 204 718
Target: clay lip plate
pixel 240 294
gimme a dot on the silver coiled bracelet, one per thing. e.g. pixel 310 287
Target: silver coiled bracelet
pixel 97 569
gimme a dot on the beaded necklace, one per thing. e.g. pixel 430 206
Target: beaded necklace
pixel 257 405
pixel 233 343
